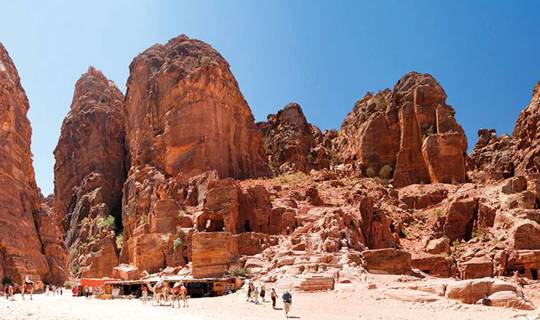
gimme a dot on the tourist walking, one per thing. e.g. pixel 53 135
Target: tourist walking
pixel 287 302
pixel 263 292
pixel 256 295
pixel 11 292
pixel 144 293
pixel 273 296
pixel 249 292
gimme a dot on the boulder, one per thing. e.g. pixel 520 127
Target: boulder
pixel 509 299
pixel 478 267
pixel 514 185
pixel 387 261
pixel 445 157
pixel 440 245
pixel 459 220
pixel 525 235
pixel 417 196
pixel 432 264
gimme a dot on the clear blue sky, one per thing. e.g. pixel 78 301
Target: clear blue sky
pixel 322 54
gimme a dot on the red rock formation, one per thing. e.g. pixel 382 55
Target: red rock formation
pixel 526 136
pixel 21 249
pixel 89 174
pixel 492 157
pixel 405 134
pixel 185 113
pixel 291 143
pixel 387 261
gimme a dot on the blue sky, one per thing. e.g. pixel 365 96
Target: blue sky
pixel 322 54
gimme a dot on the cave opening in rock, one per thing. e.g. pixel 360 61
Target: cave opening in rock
pixel 534 274
pixel 247 226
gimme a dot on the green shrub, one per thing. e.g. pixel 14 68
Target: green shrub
pixel 6 281
pixel 371 173
pixel 386 171
pixel 119 241
pixel 177 243
pixel 142 220
pixel 105 222
pixel 239 272
pixel 438 213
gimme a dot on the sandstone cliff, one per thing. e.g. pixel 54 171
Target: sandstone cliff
pixel 527 137
pixel 185 113
pixel 21 249
pixel 89 172
pixel 408 134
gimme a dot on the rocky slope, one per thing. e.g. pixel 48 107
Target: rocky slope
pixel 408 134
pixel 292 144
pixel 22 218
pixel 89 172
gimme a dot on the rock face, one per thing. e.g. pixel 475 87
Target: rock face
pixel 89 172
pixel 185 113
pixel 526 136
pixel 21 249
pixel 492 157
pixel 187 125
pixel 291 143
pixel 408 134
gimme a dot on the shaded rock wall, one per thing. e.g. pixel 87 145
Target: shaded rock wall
pixel 90 170
pixel 21 249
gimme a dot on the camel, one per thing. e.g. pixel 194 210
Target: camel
pixel 161 291
pixel 27 287
pixel 179 293
pixel 176 294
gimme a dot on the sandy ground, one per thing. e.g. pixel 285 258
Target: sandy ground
pixel 346 302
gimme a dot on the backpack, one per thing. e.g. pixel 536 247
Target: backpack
pixel 287 297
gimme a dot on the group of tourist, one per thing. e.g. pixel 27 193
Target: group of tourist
pixel 54 290
pixel 253 294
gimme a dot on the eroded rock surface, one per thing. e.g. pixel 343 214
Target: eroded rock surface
pixel 90 171
pixel 291 143
pixel 22 251
pixel 185 113
pixel 408 134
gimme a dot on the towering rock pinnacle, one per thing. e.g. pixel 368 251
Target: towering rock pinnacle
pixel 408 134
pixel 21 251
pixel 185 113
pixel 90 171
